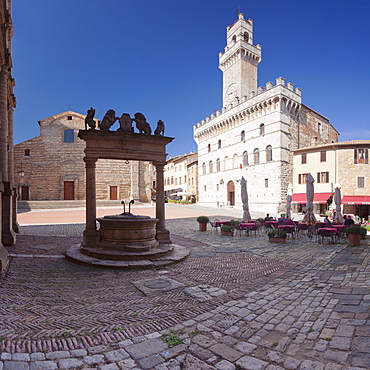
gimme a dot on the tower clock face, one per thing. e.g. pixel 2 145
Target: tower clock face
pixel 231 93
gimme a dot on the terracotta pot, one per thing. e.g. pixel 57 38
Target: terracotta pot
pixel 277 240
pixel 354 239
pixel 202 227
pixel 227 233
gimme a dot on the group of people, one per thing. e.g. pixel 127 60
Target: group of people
pixel 347 220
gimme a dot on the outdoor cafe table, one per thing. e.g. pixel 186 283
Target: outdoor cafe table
pixel 331 229
pixel 289 228
pixel 247 225
pixel 339 227
pixel 220 223
pixel 274 223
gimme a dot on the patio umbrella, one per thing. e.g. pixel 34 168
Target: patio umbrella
pixel 289 201
pixel 309 218
pixel 244 193
pixel 338 202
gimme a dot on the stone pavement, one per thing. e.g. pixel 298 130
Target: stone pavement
pixel 235 303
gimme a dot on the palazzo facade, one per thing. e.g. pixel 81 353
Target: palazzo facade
pixel 253 135
pixel 8 222
pixel 51 166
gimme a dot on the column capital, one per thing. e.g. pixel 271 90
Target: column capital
pixel 90 161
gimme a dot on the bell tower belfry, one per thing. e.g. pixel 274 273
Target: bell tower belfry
pixel 240 61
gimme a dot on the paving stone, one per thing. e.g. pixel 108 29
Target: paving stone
pixel 6 356
pixel 345 331
pixel 57 354
pixel 116 355
pixel 202 353
pixel 337 356
pixel 225 365
pixel 275 356
pixel 97 349
pixel 37 356
pixel 203 340
pixel 311 365
pixel 109 367
pixel 361 360
pixel 191 363
pixel 94 359
pixel 20 357
pixel 78 352
pixel 69 363
pixel 291 363
pixel 251 363
pixel 226 352
pixel 361 344
pixel 18 365
pixel 128 363
pixel 245 347
pixel 342 343
pixel 147 348
pixel 43 365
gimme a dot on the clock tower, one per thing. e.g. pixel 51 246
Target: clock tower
pixel 239 62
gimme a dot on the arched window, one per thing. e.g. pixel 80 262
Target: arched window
pixel 219 144
pixel 242 136
pixel 235 161
pixel 204 168
pixel 256 156
pixel 246 36
pixel 245 159
pixel 234 39
pixel 226 163
pixel 218 168
pixel 210 167
pixel 268 153
pixel 209 148
pixel 262 129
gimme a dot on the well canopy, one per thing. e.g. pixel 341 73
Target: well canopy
pixel 320 198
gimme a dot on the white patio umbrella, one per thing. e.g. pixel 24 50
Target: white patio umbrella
pixel 338 202
pixel 289 201
pixel 244 193
pixel 309 218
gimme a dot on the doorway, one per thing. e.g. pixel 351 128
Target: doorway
pixel 231 193
pixel 25 192
pixel 113 192
pixel 69 190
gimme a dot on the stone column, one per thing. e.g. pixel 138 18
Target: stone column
pixel 163 235
pixel 3 251
pixel 134 180
pixel 4 123
pixel 91 235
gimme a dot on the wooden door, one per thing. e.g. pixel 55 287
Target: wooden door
pixel 231 193
pixel 113 192
pixel 25 193
pixel 69 190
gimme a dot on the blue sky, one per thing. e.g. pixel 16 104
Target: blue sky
pixel 161 58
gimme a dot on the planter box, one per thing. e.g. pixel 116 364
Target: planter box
pixel 277 240
pixel 202 227
pixel 227 233
pixel 354 239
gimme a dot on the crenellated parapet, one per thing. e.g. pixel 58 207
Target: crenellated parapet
pixel 266 99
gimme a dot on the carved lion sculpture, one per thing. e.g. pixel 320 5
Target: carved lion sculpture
pixel 108 120
pixel 141 124
pixel 89 119
pixel 160 128
pixel 125 123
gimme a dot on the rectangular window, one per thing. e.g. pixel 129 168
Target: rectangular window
pixel 322 177
pixel 27 152
pixel 304 158
pixel 176 181
pixel 69 136
pixel 266 183
pixel 361 156
pixel 360 182
pixel 180 180
pixel 302 178
pixel 323 156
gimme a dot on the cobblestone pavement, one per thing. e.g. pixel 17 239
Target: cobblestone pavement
pixel 235 303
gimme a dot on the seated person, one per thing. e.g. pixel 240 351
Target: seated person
pixel 326 220
pixel 348 221
pixel 289 222
pixel 268 218
pixel 282 220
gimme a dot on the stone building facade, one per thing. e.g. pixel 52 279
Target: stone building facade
pixel 253 135
pixel 8 221
pixel 344 163
pixel 180 176
pixel 51 166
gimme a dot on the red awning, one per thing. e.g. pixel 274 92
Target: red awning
pixel 356 199
pixel 321 198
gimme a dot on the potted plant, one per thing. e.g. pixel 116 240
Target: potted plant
pixel 227 230
pixel 203 221
pixel 277 236
pixel 354 234
pixel 234 223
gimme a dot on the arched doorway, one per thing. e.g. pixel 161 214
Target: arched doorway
pixel 231 193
